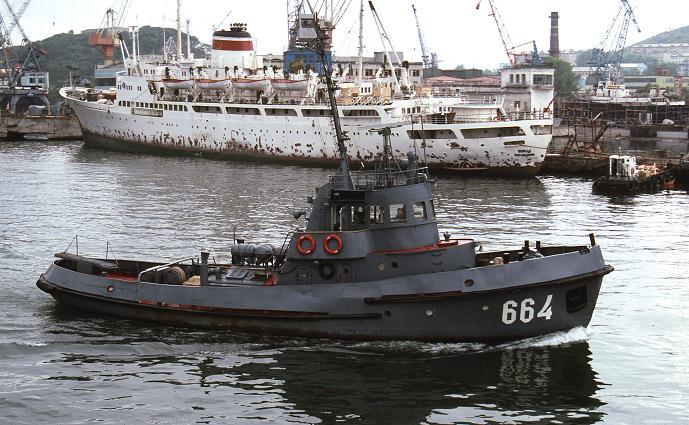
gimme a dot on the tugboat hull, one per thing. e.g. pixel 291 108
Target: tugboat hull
pixel 414 308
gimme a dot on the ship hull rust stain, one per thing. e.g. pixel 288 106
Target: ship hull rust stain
pixel 237 151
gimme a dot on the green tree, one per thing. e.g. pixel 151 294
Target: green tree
pixel 566 81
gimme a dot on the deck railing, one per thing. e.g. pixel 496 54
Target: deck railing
pixel 384 179
pixel 450 118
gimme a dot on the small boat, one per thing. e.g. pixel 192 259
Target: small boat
pixel 205 84
pixel 172 83
pixel 290 85
pixel 625 177
pixel 369 264
pixel 250 84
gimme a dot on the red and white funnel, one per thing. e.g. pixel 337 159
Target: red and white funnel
pixel 232 48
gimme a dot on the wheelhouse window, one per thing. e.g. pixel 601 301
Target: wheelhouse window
pixel 376 214
pixel 419 209
pixel 358 216
pixel 398 213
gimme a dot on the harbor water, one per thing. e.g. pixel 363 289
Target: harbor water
pixel 631 365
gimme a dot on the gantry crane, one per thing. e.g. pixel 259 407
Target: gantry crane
pixel 6 47
pixel 30 62
pixel 20 12
pixel 608 56
pixel 429 59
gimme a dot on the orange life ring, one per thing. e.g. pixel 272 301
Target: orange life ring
pixel 338 244
pixel 311 246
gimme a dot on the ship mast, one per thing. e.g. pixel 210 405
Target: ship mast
pixel 179 30
pixel 188 42
pixel 361 42
pixel 343 178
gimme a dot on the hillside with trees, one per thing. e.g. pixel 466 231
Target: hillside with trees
pixel 679 35
pixel 71 51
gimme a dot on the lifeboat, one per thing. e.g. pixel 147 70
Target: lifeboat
pixel 290 85
pixel 205 84
pixel 249 84
pixel 172 83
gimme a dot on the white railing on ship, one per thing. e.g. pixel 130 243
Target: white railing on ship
pixel 465 119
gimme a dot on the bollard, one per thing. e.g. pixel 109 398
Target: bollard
pixel 204 268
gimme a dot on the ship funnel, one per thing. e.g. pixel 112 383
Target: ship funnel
pixel 233 48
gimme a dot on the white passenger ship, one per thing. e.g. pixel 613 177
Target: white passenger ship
pixel 230 106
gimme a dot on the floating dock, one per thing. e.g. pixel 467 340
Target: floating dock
pixel 45 127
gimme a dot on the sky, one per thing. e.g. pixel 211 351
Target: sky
pixel 454 29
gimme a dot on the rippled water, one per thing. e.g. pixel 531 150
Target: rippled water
pixel 59 366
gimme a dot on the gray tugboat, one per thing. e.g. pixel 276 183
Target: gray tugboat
pixel 369 264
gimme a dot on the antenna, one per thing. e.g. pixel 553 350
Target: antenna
pixel 343 178
pixel 215 27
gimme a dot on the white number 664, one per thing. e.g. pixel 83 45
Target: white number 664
pixel 525 312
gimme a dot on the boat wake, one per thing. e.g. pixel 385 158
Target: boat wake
pixel 557 339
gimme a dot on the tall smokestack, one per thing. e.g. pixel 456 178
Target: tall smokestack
pixel 554 35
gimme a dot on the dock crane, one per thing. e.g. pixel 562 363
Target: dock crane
pixel 429 59
pixel 502 31
pixel 607 60
pixel 536 59
pixel 30 62
pixel 6 46
pixel 20 12
pixel 507 40
pixel 402 84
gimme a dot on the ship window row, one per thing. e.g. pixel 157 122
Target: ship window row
pixel 542 129
pixel 491 132
pixel 413 110
pixel 125 87
pixel 281 111
pixel 163 106
pixel 432 134
pixel 360 113
pixel 207 109
pixel 358 217
pixel 316 112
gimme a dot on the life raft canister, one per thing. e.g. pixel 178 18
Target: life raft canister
pixel 311 244
pixel 338 244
